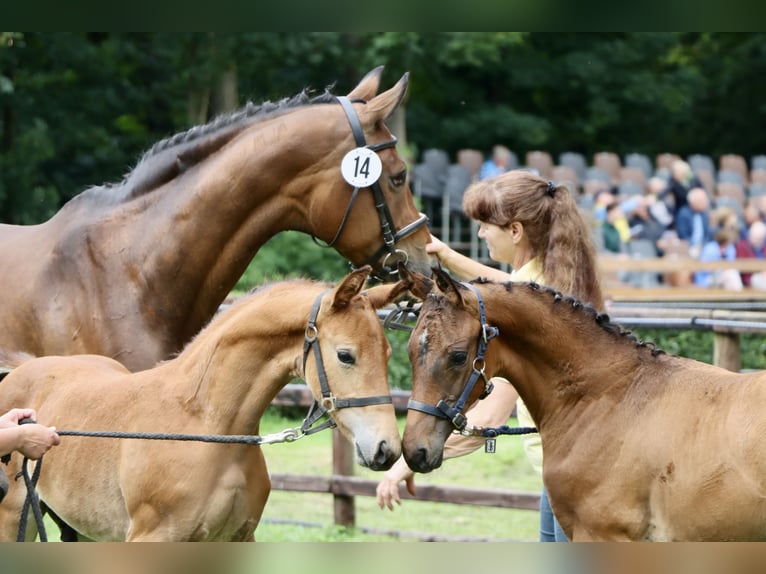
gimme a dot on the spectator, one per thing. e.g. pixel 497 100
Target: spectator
pixel 660 201
pixel 681 181
pixel 693 220
pixel 643 224
pixel 721 248
pixel 753 247
pixel 613 238
pixel 500 162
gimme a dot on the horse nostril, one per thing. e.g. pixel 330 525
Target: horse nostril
pixel 382 455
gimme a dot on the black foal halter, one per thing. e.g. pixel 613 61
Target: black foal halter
pixel 387 226
pixel 329 402
pixel 455 414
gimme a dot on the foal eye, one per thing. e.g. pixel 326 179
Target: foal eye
pixel 346 357
pixel 399 179
pixel 458 358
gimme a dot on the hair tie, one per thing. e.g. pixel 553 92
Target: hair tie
pixel 551 188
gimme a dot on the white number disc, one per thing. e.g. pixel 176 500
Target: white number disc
pixel 361 167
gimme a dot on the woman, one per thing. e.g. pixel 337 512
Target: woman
pixel 534 226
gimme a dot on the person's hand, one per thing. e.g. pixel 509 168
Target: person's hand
pixel 35 440
pixel 437 247
pixel 13 416
pixel 387 490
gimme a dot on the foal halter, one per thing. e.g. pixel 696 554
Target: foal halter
pixel 387 225
pixel 455 414
pixel 329 402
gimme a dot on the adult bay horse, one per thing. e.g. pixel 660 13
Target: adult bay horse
pixel 220 384
pixel 133 271
pixel 638 444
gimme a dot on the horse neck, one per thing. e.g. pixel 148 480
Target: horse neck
pixel 554 354
pixel 237 365
pixel 236 199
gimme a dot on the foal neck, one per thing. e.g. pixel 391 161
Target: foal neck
pixel 235 367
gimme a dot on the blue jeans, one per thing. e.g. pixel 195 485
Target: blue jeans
pixel 550 529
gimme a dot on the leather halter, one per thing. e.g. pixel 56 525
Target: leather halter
pixel 329 402
pixel 387 226
pixel 455 414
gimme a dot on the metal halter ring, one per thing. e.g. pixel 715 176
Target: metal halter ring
pixel 478 361
pixel 402 254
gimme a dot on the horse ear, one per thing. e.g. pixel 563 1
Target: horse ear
pixel 350 286
pixel 417 283
pixel 383 105
pixel 382 295
pixel 367 86
pixel 447 285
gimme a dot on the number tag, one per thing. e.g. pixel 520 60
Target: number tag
pixel 361 167
pixel 489 445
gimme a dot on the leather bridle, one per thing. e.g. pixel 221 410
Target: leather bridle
pixel 387 226
pixel 328 402
pixel 455 414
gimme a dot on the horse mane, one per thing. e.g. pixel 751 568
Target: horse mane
pixel 601 319
pixel 172 156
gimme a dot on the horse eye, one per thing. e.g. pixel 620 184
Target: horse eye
pixel 346 357
pixel 399 179
pixel 458 358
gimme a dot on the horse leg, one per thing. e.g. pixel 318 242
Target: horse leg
pixel 68 534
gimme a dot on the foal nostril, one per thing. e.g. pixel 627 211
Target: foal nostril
pixel 383 458
pixel 418 460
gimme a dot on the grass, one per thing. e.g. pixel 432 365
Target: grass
pixel 308 517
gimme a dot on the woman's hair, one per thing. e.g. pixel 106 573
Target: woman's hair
pixel 557 232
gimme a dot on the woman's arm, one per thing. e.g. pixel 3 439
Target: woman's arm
pixel 464 267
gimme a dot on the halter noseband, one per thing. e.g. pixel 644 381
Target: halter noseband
pixel 328 403
pixel 455 414
pixel 387 225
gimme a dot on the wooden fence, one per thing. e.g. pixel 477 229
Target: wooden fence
pixel 726 324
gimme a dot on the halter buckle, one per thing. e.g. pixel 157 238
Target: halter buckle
pixel 328 403
pixel 459 421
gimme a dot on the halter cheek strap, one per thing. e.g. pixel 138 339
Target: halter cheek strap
pixel 455 414
pixel 387 225
pixel 328 402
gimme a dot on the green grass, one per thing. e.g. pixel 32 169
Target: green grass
pixel 506 469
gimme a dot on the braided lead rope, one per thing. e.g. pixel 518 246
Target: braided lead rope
pixel 287 435
pixel 31 501
pixel 491 432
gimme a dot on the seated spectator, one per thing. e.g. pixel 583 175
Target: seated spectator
pixel 693 220
pixel 681 182
pixel 615 229
pixel 660 201
pixel 725 216
pixel 643 224
pixel 499 162
pixel 721 248
pixel 753 247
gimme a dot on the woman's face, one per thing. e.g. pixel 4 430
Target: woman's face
pixel 499 241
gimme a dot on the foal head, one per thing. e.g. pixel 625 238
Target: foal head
pixel 446 351
pixel 355 354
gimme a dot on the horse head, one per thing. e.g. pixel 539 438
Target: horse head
pixel 373 220
pixel 443 349
pixel 355 355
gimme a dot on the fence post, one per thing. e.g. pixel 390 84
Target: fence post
pixel 726 351
pixel 343 464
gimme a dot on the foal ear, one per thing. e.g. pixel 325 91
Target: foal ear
pixel 417 283
pixel 447 285
pixel 382 295
pixel 382 106
pixel 350 286
pixel 367 86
